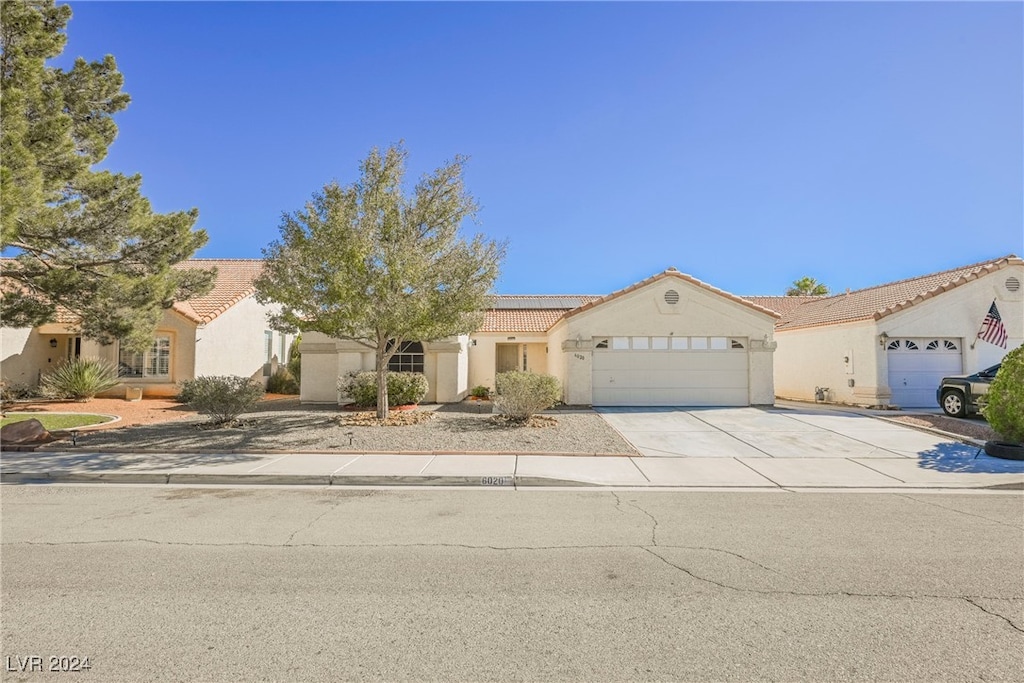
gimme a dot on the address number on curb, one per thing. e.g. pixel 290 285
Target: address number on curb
pixel 495 481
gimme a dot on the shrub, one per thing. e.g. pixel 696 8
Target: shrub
pixel 1004 405
pixel 223 398
pixel 15 391
pixel 282 382
pixel 480 391
pixel 523 394
pixel 295 359
pixel 404 388
pixel 80 379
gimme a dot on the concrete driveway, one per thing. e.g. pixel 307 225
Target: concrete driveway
pixel 768 433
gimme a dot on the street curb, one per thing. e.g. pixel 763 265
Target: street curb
pixel 184 479
pixel 482 482
pixel 249 451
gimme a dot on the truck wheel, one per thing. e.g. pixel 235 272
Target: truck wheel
pixel 953 403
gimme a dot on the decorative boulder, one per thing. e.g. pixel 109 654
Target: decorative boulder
pixel 24 432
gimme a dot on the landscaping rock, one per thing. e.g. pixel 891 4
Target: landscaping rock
pixel 24 432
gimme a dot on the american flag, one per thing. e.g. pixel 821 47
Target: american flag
pixel 992 329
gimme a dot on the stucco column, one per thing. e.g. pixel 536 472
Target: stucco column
pixel 578 361
pixel 761 373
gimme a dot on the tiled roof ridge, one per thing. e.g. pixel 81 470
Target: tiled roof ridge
pixel 546 296
pixel 971 272
pixel 1006 260
pixel 186 308
pixel 673 273
pixel 978 269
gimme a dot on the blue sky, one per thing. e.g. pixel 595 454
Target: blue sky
pixel 747 144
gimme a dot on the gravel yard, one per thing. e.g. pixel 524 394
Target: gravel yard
pixel 975 428
pixel 287 426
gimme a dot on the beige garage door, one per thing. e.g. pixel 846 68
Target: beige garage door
pixel 670 371
pixel 917 366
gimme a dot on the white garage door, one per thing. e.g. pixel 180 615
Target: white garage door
pixel 916 366
pixel 670 371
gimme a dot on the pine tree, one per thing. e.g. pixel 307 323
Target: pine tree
pixel 84 240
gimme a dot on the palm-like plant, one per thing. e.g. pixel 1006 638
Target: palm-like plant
pixel 80 379
pixel 807 286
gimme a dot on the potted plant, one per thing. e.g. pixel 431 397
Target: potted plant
pixel 1004 408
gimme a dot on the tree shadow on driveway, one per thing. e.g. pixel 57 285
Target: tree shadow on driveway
pixel 961 457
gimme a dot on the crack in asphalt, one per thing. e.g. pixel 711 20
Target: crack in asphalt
pixel 313 521
pixel 654 541
pixel 654 528
pixel 995 614
pixel 825 594
pixel 987 519
pixel 646 549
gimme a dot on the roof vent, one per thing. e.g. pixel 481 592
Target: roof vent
pixel 672 297
pixel 1012 284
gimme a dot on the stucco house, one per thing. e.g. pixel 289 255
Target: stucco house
pixel 891 344
pixel 224 332
pixel 667 340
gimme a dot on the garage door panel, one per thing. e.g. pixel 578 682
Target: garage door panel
pixel 914 374
pixel 670 378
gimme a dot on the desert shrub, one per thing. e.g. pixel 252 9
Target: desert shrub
pixel 1004 405
pixel 16 391
pixel 282 382
pixel 480 391
pixel 295 359
pixel 223 398
pixel 404 388
pixel 523 394
pixel 79 379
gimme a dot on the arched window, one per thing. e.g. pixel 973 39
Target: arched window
pixel 408 358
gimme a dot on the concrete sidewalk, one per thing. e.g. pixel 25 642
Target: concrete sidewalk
pixel 960 466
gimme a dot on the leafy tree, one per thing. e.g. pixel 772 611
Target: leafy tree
pixel 1004 404
pixel 807 286
pixel 84 240
pixel 368 263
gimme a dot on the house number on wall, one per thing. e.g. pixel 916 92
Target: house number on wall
pixel 579 356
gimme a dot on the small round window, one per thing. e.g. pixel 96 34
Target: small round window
pixel 672 297
pixel 1012 284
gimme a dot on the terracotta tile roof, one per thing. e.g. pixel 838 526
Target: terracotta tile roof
pixel 875 303
pixel 235 281
pixel 783 305
pixel 538 312
pixel 675 274
pixel 235 278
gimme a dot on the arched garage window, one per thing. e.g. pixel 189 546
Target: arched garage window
pixel 408 358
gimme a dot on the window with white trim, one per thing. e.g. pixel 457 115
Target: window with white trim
pixel 153 363
pixel 408 358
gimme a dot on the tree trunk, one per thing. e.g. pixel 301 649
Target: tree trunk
pixel 382 384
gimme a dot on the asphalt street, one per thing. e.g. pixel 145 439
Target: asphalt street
pixel 313 584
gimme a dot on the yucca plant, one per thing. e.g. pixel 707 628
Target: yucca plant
pixel 80 379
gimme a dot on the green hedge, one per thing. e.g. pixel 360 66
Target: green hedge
pixel 404 388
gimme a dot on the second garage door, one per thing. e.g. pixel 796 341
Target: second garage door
pixel 916 366
pixel 670 371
